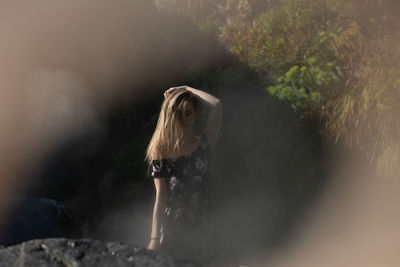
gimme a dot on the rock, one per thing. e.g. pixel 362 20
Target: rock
pixel 85 252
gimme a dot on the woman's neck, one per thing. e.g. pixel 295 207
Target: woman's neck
pixel 188 136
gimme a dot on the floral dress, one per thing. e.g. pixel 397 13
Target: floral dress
pixel 186 219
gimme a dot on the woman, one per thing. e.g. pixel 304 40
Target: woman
pixel 178 162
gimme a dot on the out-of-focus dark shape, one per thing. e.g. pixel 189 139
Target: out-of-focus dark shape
pixel 34 218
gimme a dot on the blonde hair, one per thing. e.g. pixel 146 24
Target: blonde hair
pixel 168 135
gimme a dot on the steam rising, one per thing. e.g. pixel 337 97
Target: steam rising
pixel 61 65
pixel 55 99
pixel 65 64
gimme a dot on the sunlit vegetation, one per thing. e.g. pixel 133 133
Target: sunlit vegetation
pixel 337 60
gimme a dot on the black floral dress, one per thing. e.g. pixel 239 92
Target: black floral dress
pixel 186 223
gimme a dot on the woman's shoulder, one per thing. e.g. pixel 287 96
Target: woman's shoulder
pixel 158 168
pixel 156 156
pixel 156 160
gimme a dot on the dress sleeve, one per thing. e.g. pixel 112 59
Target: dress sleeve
pixel 158 170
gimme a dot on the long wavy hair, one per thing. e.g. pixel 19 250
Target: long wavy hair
pixel 168 135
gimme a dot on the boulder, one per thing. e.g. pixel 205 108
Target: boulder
pixel 85 252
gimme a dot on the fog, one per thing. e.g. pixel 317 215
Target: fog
pixel 66 65
pixel 354 224
pixel 57 63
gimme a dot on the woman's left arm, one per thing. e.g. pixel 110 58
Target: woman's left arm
pixel 215 117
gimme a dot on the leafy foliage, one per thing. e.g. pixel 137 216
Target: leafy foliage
pixel 335 59
pixel 301 86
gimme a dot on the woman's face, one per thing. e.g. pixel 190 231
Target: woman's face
pixel 189 115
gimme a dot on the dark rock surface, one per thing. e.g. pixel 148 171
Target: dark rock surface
pixel 34 218
pixel 84 252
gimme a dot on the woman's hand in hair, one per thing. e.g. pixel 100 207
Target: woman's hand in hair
pixel 167 92
pixel 215 115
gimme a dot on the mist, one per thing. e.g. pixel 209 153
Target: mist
pixel 70 68
pixel 67 65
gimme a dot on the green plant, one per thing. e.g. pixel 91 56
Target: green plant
pixel 302 86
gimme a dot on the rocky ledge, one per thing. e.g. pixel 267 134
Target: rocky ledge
pixel 84 252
